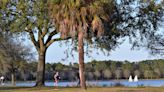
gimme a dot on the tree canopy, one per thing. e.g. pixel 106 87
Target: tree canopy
pixel 30 17
pixel 94 17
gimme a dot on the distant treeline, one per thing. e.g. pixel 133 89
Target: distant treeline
pixel 95 70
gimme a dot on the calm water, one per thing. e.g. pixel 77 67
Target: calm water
pixel 154 83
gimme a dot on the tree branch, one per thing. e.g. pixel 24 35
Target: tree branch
pixel 44 32
pixel 33 39
pixel 49 26
pixel 56 39
pixel 155 48
pixel 162 43
pixel 50 36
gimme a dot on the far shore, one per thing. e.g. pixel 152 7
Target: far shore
pixel 86 80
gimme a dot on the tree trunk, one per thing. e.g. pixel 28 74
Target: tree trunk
pixel 13 79
pixel 41 69
pixel 81 59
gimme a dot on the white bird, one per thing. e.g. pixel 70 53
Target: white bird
pixel 136 79
pixel 130 79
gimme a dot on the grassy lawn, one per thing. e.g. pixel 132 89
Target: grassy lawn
pixel 110 89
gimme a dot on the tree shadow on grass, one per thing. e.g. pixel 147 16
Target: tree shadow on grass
pixel 13 88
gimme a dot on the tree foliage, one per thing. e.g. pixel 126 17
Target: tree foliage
pixel 13 55
pixel 143 21
pixel 30 17
pixel 94 18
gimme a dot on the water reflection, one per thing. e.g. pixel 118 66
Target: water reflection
pixel 153 83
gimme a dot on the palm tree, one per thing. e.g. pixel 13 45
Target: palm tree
pixel 81 19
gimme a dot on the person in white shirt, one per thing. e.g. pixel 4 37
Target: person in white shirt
pixel 2 80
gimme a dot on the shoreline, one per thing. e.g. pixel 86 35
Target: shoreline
pixel 86 80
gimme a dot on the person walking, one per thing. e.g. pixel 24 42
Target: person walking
pixel 78 79
pixel 2 80
pixel 56 79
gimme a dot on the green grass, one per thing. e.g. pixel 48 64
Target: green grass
pixel 95 89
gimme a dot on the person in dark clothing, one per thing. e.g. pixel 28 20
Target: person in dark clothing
pixel 78 79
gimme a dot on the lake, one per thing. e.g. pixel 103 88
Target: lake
pixel 153 83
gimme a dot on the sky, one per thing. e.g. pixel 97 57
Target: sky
pixel 55 53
